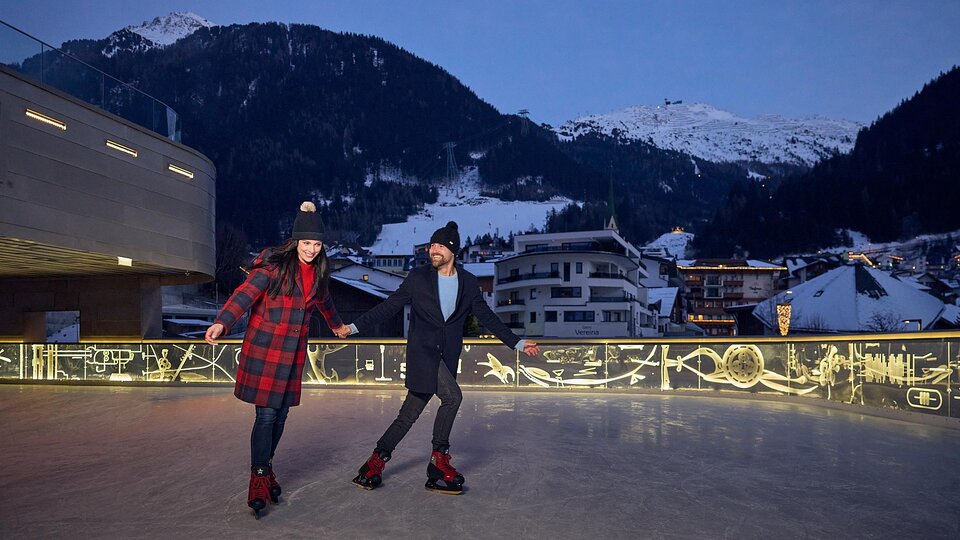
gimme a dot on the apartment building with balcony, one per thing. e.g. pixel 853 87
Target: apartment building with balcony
pixel 577 284
pixel 710 286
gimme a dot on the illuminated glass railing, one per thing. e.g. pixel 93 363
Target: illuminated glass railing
pixel 913 372
pixel 33 58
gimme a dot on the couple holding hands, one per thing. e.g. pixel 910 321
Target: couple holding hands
pixel 288 282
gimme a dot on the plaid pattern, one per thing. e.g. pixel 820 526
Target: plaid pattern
pixel 275 343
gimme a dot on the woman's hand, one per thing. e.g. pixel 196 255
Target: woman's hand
pixel 213 333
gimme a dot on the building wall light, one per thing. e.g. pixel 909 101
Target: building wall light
pixel 180 170
pixel 119 147
pixel 50 121
pixel 124 261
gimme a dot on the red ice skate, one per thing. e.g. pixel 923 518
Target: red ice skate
pixel 275 490
pixel 259 489
pixel 371 473
pixel 441 476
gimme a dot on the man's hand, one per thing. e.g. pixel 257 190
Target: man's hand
pixel 530 348
pixel 213 333
pixel 343 331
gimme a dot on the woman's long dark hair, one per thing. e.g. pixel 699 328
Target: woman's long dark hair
pixel 285 261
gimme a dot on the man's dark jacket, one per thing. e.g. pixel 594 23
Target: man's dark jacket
pixel 431 339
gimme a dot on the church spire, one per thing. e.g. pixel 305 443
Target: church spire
pixel 612 219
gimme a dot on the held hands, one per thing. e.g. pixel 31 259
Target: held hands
pixel 530 348
pixel 342 332
pixel 213 333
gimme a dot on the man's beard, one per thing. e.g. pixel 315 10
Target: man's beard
pixel 437 262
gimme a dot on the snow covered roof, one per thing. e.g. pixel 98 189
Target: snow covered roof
pixel 796 263
pixel 186 322
pixel 364 286
pixel 951 314
pixel 853 298
pixel 667 296
pixel 727 263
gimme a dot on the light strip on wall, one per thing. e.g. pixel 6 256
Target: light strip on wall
pixel 46 119
pixel 124 261
pixel 180 170
pixel 119 147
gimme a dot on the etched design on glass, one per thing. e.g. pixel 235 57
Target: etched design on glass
pixel 740 365
pixel 587 376
pixel 318 374
pixel 498 370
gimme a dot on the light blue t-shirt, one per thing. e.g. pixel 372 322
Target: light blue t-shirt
pixel 448 294
pixel 449 286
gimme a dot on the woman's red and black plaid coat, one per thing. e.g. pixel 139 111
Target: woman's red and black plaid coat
pixel 275 343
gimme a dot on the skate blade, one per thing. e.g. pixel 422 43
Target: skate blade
pixel 445 491
pixel 362 486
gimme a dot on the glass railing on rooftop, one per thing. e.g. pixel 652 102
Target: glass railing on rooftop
pixel 911 372
pixel 42 62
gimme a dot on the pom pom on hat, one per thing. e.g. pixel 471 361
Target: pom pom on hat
pixel 449 236
pixel 308 225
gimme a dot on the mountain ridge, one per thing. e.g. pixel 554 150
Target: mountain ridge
pixel 706 132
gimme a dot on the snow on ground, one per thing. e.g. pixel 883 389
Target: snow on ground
pixel 674 242
pixel 475 216
pixel 861 243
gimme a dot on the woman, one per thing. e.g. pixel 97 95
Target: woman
pixel 285 285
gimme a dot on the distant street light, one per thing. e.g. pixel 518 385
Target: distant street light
pixel 918 321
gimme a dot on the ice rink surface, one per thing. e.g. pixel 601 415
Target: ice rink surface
pixel 123 462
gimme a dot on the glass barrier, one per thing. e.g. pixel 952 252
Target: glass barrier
pixel 905 373
pixel 39 61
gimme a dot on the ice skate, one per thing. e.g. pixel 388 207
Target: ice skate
pixel 259 489
pixel 275 490
pixel 371 473
pixel 441 476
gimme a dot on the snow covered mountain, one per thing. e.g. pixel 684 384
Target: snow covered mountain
pixel 720 136
pixel 168 29
pixel 159 32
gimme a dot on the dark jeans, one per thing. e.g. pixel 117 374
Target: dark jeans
pixel 267 430
pixel 450 397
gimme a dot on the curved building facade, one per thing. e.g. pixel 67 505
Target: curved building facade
pixel 96 214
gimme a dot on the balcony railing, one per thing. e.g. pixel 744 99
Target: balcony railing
pixel 863 369
pixel 511 302
pixel 548 249
pixel 40 61
pixel 621 298
pixel 527 276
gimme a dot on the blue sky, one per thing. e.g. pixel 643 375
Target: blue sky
pixel 852 59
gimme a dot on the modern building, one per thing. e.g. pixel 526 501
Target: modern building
pixel 98 208
pixel 712 285
pixel 576 284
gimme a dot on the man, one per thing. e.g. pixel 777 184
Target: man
pixel 441 295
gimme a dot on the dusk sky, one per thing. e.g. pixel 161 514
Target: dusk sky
pixel 562 59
